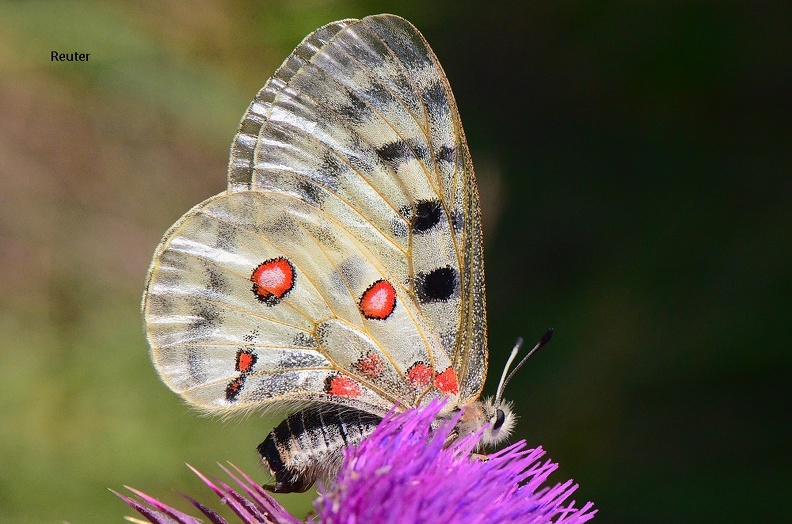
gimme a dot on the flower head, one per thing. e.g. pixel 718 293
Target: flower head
pixel 405 472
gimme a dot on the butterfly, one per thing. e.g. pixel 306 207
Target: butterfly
pixel 341 273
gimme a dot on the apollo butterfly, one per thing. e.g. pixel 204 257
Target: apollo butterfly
pixel 341 273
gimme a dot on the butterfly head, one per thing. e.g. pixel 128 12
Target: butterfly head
pixel 500 419
pixel 497 420
pixel 495 414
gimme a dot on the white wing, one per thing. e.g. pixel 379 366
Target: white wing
pixel 361 120
pixel 344 264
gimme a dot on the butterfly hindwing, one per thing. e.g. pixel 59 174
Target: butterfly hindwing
pixel 258 299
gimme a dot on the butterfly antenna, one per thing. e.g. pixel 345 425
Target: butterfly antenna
pixel 501 385
pixel 504 378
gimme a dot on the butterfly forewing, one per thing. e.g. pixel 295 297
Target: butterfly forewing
pixel 240 164
pixel 367 131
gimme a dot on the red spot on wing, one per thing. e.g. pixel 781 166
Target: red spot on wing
pixel 234 387
pixel 420 375
pixel 378 301
pixel 342 386
pixel 447 382
pixel 371 365
pixel 245 360
pixel 272 280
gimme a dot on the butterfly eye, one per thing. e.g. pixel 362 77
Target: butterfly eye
pixel 500 418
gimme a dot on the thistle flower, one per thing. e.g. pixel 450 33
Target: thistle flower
pixel 404 473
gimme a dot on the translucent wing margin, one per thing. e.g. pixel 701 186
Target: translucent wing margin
pixel 240 165
pixel 360 122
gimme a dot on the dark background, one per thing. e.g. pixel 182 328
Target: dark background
pixel 635 163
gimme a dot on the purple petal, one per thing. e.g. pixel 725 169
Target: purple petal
pixel 153 516
pixel 211 514
pixel 403 472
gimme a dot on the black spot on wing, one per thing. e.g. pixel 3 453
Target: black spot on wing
pixel 302 359
pixel 394 152
pixel 328 382
pixel 419 150
pixel 427 215
pixel 435 99
pixel 437 285
pixel 446 154
pixel 353 269
pixel 399 151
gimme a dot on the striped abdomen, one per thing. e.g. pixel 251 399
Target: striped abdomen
pixel 308 445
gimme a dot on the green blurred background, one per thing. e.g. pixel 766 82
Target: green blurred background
pixel 635 162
